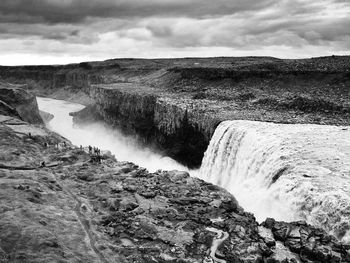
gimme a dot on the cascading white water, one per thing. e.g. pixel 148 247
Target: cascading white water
pixel 284 171
pixel 99 135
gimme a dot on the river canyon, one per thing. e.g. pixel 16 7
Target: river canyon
pixel 247 125
pixel 274 170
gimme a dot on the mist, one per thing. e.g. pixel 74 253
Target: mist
pixel 124 148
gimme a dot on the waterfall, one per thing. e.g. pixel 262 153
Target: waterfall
pixel 285 171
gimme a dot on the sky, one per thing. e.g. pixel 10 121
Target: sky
pixel 70 31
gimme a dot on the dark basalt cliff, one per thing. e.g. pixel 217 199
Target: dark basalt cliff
pixel 58 82
pixel 16 102
pixel 176 104
pixel 169 123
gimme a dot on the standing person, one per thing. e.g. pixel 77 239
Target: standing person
pixel 90 149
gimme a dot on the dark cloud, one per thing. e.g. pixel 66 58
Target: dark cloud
pixel 145 27
pixel 291 23
pixel 74 11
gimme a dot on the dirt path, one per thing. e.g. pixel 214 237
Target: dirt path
pixel 23 168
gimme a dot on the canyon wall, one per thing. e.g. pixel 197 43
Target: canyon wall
pixel 60 82
pixel 174 126
pixel 16 102
pixel 176 104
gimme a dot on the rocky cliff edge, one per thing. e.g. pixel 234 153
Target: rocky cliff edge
pixel 74 208
pixel 16 102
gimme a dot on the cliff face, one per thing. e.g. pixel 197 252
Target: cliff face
pixel 7 110
pixel 182 130
pixel 58 82
pixel 171 124
pixel 19 103
pixel 51 76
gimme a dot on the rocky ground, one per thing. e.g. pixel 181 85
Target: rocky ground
pixel 15 101
pixel 77 210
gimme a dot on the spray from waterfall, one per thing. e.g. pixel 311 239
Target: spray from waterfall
pixel 288 172
pixel 125 148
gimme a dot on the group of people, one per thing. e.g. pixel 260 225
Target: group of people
pixel 46 145
pixel 62 145
pixel 57 145
pixel 94 150
pixel 95 154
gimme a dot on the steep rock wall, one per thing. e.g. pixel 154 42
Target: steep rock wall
pixel 183 130
pixel 20 103
pixel 7 110
pixel 51 76
pixel 51 81
pixel 172 125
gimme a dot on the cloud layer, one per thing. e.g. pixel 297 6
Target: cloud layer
pixel 59 31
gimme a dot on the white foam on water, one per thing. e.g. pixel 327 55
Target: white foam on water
pixel 288 172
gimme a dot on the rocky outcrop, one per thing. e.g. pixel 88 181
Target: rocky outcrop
pixel 47 117
pixel 310 243
pixel 17 102
pixel 7 110
pixel 75 209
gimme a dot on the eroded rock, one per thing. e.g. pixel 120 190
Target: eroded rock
pixel 76 211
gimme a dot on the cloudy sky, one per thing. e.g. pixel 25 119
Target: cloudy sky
pixel 62 31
